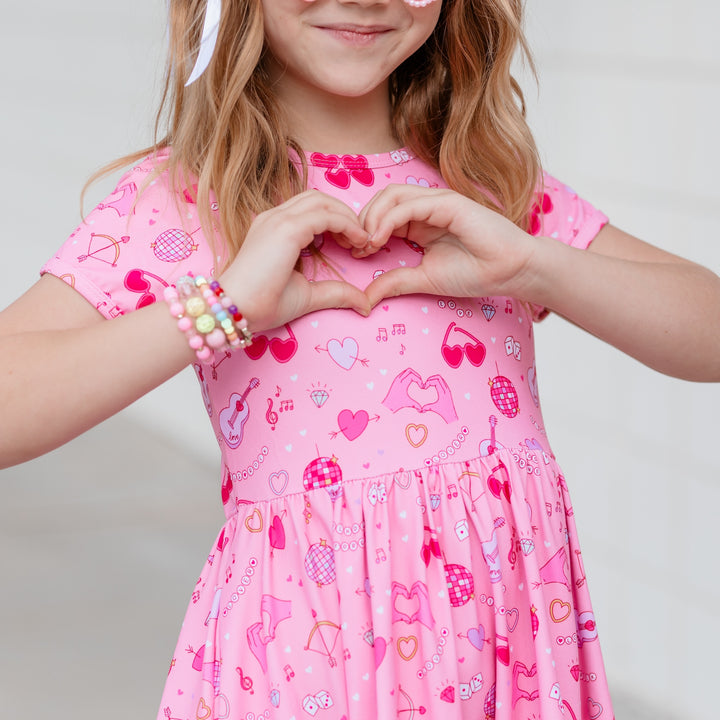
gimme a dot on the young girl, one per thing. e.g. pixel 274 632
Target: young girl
pixel 399 537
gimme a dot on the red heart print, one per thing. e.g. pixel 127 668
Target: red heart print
pixel 277 533
pixel 334 174
pixel 258 347
pixel 452 355
pixel 283 350
pixel 358 167
pixel 503 654
pixel 475 353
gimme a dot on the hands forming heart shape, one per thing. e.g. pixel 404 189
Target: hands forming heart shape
pixel 468 251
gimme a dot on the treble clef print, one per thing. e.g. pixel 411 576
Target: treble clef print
pixel 271 416
pixel 246 683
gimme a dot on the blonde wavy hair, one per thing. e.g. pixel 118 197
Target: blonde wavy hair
pixel 454 104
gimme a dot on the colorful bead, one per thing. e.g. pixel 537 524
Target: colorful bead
pixel 195 307
pixel 196 342
pixel 184 324
pixel 207 316
pixel 205 324
pixel 216 339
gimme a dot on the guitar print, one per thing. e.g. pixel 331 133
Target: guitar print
pixel 488 447
pixel 235 415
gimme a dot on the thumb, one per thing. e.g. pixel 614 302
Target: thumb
pixel 326 294
pixel 401 281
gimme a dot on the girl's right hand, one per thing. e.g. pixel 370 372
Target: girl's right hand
pixel 262 279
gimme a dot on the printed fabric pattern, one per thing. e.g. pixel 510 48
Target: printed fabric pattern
pixel 399 538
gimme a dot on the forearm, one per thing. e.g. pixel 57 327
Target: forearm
pixel 57 384
pixel 664 314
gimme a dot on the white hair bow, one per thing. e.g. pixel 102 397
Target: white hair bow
pixel 211 25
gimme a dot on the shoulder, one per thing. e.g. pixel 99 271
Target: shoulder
pixel 140 238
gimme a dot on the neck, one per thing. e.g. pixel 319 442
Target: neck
pixel 340 125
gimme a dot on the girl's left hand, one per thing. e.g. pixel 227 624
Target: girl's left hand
pixel 470 250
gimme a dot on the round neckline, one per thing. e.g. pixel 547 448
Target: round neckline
pixel 374 160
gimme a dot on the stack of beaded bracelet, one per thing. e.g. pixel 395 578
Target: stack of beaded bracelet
pixel 207 316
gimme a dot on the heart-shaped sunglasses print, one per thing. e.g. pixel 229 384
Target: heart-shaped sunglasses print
pixel 135 281
pixel 281 349
pixel 474 350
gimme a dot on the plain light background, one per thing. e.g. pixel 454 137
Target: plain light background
pixel 626 112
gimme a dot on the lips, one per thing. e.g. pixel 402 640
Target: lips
pixel 353 28
pixel 355 34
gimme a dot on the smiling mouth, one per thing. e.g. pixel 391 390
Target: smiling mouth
pixel 358 34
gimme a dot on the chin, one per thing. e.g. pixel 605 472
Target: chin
pixel 354 88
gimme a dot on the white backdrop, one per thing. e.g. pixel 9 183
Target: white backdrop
pixel 627 113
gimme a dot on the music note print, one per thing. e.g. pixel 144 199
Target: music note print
pixel 246 683
pixel 271 416
pixel 399 329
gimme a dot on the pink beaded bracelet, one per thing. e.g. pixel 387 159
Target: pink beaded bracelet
pixel 207 316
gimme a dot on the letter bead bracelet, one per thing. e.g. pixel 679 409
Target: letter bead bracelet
pixel 207 316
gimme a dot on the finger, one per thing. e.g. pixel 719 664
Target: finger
pixel 347 230
pixel 297 228
pixel 327 294
pixel 391 197
pixel 342 222
pixel 312 213
pixel 341 240
pixel 415 218
pixel 388 197
pixel 401 281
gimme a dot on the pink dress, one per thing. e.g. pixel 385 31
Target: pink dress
pixel 399 539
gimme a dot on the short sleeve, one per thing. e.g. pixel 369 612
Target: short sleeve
pixel 560 213
pixel 140 239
